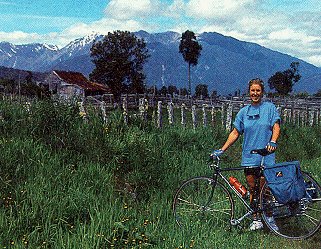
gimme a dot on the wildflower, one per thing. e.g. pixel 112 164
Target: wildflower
pixel 192 243
pixel 146 222
pixel 82 114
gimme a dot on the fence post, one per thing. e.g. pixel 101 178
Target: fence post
pixel 103 111
pixel 213 115
pixel 302 117
pixel 183 116
pixel 204 115
pixel 170 110
pixel 143 109
pixel 306 116
pixel 284 116
pixel 159 115
pixel 194 118
pixel 229 114
pixel 317 117
pixel 125 110
pixel 311 118
pixel 279 110
pixel 292 114
pixel 223 114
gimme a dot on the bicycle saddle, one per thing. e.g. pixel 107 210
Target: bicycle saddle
pixel 262 152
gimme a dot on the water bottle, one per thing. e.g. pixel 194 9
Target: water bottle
pixel 238 186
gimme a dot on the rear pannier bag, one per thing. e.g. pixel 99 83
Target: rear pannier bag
pixel 286 182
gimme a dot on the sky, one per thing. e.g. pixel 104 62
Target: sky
pixel 288 26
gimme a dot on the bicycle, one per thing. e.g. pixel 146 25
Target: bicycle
pixel 208 200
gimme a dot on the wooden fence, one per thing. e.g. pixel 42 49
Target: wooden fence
pixel 300 112
pixel 195 112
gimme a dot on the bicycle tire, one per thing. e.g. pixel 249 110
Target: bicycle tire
pixel 295 221
pixel 194 208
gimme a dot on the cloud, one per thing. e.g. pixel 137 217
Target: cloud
pixel 19 37
pixel 210 9
pixel 176 9
pixel 288 34
pixel 102 26
pixel 313 59
pixel 124 9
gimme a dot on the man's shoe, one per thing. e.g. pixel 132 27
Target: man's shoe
pixel 272 223
pixel 256 225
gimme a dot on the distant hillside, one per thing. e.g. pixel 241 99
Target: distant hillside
pixel 17 74
pixel 226 64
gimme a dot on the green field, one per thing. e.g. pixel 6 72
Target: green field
pixel 66 183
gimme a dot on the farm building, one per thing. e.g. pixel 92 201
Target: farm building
pixel 73 84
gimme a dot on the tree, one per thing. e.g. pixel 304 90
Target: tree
pixel 201 90
pixel 183 91
pixel 163 91
pixel 191 50
pixel 119 60
pixel 283 82
pixel 318 93
pixel 9 85
pixel 172 90
pixel 214 94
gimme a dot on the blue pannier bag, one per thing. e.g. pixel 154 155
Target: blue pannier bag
pixel 286 182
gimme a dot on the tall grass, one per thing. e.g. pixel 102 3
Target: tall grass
pixel 66 183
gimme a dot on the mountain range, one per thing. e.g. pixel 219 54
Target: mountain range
pixel 225 65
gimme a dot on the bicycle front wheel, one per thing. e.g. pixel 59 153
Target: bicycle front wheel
pixel 199 202
pixel 298 220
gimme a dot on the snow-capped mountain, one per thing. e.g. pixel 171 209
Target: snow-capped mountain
pixel 79 46
pixel 29 56
pixel 226 64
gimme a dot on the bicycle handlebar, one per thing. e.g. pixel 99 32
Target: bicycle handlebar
pixel 262 152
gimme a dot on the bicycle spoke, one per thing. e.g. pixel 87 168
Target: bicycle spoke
pixel 312 219
pixel 196 203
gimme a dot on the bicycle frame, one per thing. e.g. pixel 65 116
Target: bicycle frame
pixel 217 173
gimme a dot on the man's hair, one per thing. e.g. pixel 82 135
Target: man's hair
pixel 257 81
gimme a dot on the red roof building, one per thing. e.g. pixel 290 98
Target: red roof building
pixel 73 84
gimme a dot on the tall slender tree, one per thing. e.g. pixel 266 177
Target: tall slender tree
pixel 191 50
pixel 119 60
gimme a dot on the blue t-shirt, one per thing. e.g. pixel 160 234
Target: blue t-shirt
pixel 256 123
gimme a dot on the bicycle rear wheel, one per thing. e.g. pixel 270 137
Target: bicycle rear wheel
pixel 199 202
pixel 296 220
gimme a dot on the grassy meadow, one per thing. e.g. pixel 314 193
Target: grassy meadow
pixel 67 183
